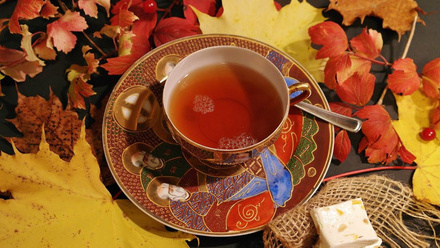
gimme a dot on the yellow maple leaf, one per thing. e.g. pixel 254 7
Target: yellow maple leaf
pixel 54 203
pixel 286 29
pixel 414 111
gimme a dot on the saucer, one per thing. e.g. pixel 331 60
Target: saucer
pixel 194 196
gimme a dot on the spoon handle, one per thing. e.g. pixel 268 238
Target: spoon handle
pixel 348 123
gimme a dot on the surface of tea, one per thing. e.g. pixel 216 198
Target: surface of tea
pixel 225 106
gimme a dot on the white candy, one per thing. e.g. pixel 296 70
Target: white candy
pixel 345 225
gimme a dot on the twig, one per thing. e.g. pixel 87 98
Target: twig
pixel 94 44
pixel 382 96
pixel 411 35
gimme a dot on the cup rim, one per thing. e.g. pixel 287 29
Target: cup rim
pixel 256 145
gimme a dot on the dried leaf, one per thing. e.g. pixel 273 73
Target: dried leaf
pixel 94 137
pixel 414 112
pixel 60 31
pixel 26 45
pixel 404 79
pixel 285 29
pixel 62 126
pixel 53 203
pixel 397 15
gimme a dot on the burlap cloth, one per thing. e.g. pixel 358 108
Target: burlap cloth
pixel 399 219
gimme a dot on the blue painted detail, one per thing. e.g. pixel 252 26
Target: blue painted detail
pixel 290 81
pixel 279 179
pixel 256 186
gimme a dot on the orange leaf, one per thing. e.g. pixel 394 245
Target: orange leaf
pixel 357 89
pixel 62 127
pixel 404 79
pixel 431 78
pixel 24 10
pixel 342 146
pixel 367 44
pixel 332 38
pixel 60 31
pixel 44 49
pixel 78 89
pixel 397 15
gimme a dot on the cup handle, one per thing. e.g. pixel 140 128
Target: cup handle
pixel 298 91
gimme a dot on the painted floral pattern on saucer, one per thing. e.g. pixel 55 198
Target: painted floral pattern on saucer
pixel 194 196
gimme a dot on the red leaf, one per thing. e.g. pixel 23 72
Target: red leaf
pixel 377 122
pixel 340 108
pixel 173 28
pixel 381 142
pixel 367 44
pixel 118 65
pixel 404 79
pixel 406 155
pixel 334 66
pixel 332 38
pixel 124 18
pixel 204 6
pixel 357 89
pixel 60 31
pixel 141 45
pixel 342 146
pixel 24 10
pixel 431 78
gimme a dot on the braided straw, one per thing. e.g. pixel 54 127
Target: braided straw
pixel 398 218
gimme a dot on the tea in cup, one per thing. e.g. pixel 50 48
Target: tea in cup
pixel 226 104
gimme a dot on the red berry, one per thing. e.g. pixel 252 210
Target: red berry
pixel 150 6
pixel 428 134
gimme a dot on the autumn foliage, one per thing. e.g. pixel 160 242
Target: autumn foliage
pixel 348 73
pixel 133 31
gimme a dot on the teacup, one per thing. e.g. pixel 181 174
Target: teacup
pixel 227 104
